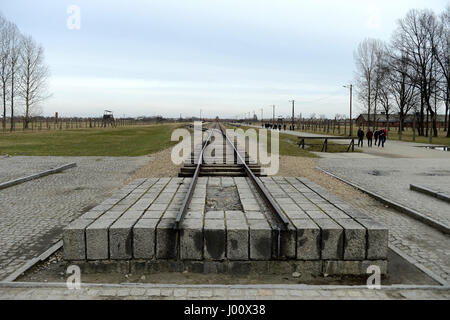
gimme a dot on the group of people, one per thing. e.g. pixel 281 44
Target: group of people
pixel 380 137
pixel 277 126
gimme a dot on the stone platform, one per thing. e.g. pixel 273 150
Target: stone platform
pixel 225 230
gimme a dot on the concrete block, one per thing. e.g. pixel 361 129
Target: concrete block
pixel 336 214
pixel 144 238
pixel 332 245
pixel 152 214
pixel 132 214
pixel 237 240
pixel 170 214
pixel 214 239
pixel 251 207
pixel 97 247
pixel 112 214
pixel 166 247
pixel 255 215
pixel 74 240
pixel 296 214
pixel 234 215
pixel 215 215
pixel 354 239
pixel 191 239
pixel 159 206
pixel 91 215
pixel 377 239
pixel 260 240
pixel 316 214
pixel 288 245
pixel 194 214
pixel 308 239
pixel 120 239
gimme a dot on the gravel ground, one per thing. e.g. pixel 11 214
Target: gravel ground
pixel 33 213
pixel 160 166
pixel 423 244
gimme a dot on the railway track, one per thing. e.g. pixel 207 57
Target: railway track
pixel 241 165
pixel 227 223
pixel 219 164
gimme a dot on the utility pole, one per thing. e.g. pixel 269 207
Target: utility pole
pixel 262 114
pixel 200 114
pixel 350 86
pixel 293 116
pixel 273 115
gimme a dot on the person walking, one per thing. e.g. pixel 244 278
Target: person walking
pixel 385 134
pixel 369 136
pixel 376 135
pixel 381 139
pixel 360 137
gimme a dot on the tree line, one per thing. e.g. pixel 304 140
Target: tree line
pixel 408 75
pixel 23 74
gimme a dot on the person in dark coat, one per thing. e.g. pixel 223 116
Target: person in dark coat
pixel 381 138
pixel 360 137
pixel 376 135
pixel 369 136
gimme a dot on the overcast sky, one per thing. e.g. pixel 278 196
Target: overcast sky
pixel 172 57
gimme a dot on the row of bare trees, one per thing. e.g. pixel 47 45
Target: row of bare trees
pixel 23 74
pixel 410 74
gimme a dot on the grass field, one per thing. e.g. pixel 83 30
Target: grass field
pixel 287 146
pixel 120 141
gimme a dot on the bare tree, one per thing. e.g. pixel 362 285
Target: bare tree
pixel 414 38
pixel 442 53
pixel 366 59
pixel 33 76
pixel 403 91
pixel 380 91
pixel 13 61
pixel 4 65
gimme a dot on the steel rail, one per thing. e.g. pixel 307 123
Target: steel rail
pixel 260 187
pixel 189 194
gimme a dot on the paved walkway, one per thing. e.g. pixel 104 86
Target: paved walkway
pixel 32 214
pixel 391 178
pixel 216 292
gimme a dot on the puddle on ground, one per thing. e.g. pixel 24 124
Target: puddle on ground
pixel 438 148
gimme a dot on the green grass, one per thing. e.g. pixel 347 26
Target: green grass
pixel 121 141
pixel 288 144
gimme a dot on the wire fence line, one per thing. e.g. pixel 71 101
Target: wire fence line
pixel 51 123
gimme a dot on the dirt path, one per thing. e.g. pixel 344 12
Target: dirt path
pixel 160 166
